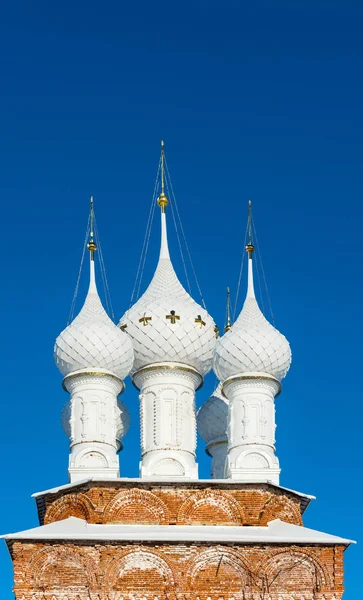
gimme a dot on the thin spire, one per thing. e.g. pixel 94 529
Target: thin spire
pixel 228 311
pixel 92 246
pixel 163 203
pixel 162 200
pixel 250 250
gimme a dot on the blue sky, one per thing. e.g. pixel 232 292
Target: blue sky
pixel 254 100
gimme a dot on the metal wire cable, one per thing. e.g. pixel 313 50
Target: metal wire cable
pixel 168 178
pixel 103 272
pixel 146 248
pixel 263 274
pixel 240 276
pixel 71 312
pixel 257 271
pixel 179 242
pixel 141 265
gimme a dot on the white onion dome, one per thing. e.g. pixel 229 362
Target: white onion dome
pixel 252 344
pixel 166 324
pixel 92 340
pixel 212 417
pixel 122 420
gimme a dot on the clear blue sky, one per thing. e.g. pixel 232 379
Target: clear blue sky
pixel 256 100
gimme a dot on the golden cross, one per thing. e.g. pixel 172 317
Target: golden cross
pixel 123 327
pixel 216 331
pixel 173 317
pixel 145 320
pixel 199 322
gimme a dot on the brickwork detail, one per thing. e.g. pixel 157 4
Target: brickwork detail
pixel 141 506
pixel 210 506
pixel 170 505
pixel 75 505
pixel 276 507
pixel 176 572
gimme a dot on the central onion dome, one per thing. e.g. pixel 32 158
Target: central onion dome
pixel 252 344
pixel 166 324
pixel 92 340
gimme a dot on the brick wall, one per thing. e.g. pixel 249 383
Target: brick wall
pixel 176 572
pixel 182 505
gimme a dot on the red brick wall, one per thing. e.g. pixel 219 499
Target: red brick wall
pixel 175 505
pixel 176 572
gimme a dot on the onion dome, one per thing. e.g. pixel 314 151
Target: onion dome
pixel 166 324
pixel 92 340
pixel 212 417
pixel 252 344
pixel 122 420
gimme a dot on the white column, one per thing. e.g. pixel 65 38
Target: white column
pixel 218 450
pixel 168 421
pixel 92 420
pixel 251 427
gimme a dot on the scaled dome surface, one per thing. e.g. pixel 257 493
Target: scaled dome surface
pixel 166 324
pixel 252 344
pixel 93 341
pixel 212 417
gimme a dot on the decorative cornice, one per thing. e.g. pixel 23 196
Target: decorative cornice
pixel 245 378
pixel 167 367
pixel 86 373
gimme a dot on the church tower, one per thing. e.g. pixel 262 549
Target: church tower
pixel 168 535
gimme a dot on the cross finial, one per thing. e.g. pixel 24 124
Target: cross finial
pixel 162 200
pixel 250 247
pixel 91 244
pixel 228 311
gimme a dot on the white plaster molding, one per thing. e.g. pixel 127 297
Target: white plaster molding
pixel 95 420
pixel 168 422
pixel 251 427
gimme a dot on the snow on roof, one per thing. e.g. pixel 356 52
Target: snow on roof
pixel 276 532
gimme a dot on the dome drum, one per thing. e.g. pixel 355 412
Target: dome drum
pixel 252 376
pixel 169 370
pixel 89 375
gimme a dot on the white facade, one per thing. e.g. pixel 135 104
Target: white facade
pixel 168 425
pixel 251 428
pixel 251 359
pixel 95 422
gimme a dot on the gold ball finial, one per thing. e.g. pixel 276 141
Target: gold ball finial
pixel 92 246
pixel 163 201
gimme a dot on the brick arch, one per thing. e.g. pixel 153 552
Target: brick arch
pixel 209 506
pixel 219 570
pixel 66 563
pixel 139 568
pixel 280 507
pixel 283 564
pixel 136 506
pixel 71 505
